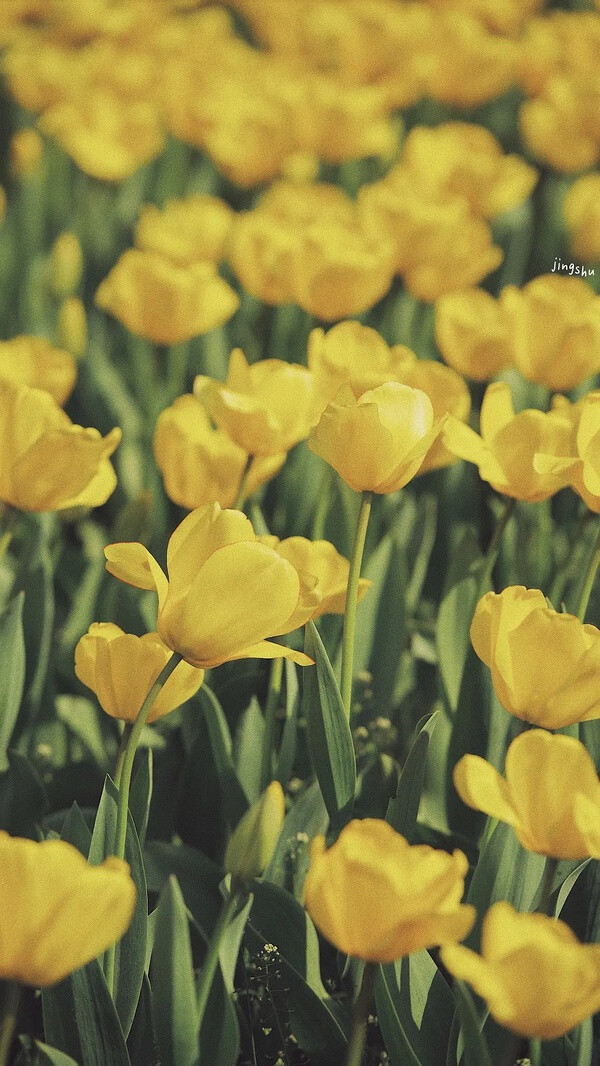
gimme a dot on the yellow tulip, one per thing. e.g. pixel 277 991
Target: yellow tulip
pixel 254 839
pixel 186 230
pixel 535 976
pixel 26 152
pixel 48 464
pixel 545 665
pixel 557 126
pixel 266 407
pixel 35 362
pixel 72 326
pixel 59 911
pixel 163 302
pixel 581 469
pixel 472 334
pixel 462 159
pixel 467 65
pixel 547 777
pixel 225 591
pixel 581 211
pixel 378 898
pixel 200 464
pixel 323 576
pixel 121 669
pixel 378 442
pixel 506 450
pixel 66 264
pixel 554 323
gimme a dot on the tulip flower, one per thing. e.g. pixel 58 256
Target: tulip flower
pixel 506 450
pixel 225 591
pixel 550 786
pixel 581 469
pixel 582 217
pixel 66 264
pixel 472 334
pixel 200 464
pixel 378 898
pixel 557 126
pixel 186 230
pixel 26 152
pixel 466 64
pixel 59 912
pixel 48 464
pixel 121 669
pixel 35 362
pixel 164 302
pixel 545 665
pixel 253 842
pixel 322 571
pixel 266 407
pixel 378 442
pixel 536 977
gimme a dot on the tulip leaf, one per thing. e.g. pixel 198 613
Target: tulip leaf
pixel 289 736
pixel 12 675
pixel 456 613
pixel 389 635
pixel 470 734
pixel 172 980
pixel 23 799
pixel 141 1042
pixel 398 1046
pixel 422 1004
pixel 306 819
pixel 75 830
pixel 38 611
pixel 403 810
pixel 329 737
pixel 476 1051
pixel 80 1019
pixel 140 795
pixel 247 748
pixel 81 718
pixel 235 802
pixel 131 949
pixel 51 1056
pixel 197 877
pixel 219 1036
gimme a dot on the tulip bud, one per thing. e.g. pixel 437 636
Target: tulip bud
pixel 26 150
pixel 66 264
pixel 72 326
pixel 250 849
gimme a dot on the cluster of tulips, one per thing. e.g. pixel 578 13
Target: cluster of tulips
pixel 299 489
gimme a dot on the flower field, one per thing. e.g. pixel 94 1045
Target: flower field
pixel 299 533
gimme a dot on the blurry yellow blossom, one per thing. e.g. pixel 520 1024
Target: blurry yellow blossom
pixel 559 125
pixel 472 333
pixel 326 569
pixel 545 664
pixel 461 159
pixel 506 450
pixel 499 16
pixel 582 217
pixel 200 464
pixel 72 326
pixel 546 776
pixel 465 64
pixel 252 844
pixel 66 264
pixel 266 407
pixel 225 591
pixel 121 669
pixel 186 230
pixel 164 302
pixel 535 976
pixel 378 898
pixel 26 152
pixel 59 912
pixel 35 362
pixel 376 443
pixel 48 464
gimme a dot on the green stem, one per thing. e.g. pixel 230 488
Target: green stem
pixel 322 508
pixel 547 882
pixel 241 492
pixel 493 551
pixel 590 577
pixel 9 1020
pixel 126 769
pixel 360 1015
pixel 121 753
pixel 273 693
pixel 177 364
pixel 211 961
pixel 351 601
pixel 535 1052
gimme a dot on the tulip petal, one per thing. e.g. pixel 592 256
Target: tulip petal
pixel 480 786
pixel 268 649
pixel 497 410
pixel 132 563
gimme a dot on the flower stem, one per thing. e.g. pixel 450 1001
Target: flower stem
pixel 241 492
pixel 121 753
pixel 535 1052
pixel 360 1015
pixel 590 577
pixel 211 961
pixel 322 508
pixel 126 768
pixel 273 693
pixel 351 601
pixel 9 1020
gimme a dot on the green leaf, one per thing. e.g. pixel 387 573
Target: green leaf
pixel 12 675
pixel 219 1037
pixel 505 871
pixel 81 717
pixel 75 830
pixel 141 1042
pixel 140 795
pixel 398 1046
pixel 306 819
pixel 456 613
pixel 247 749
pixel 420 1001
pixel 23 799
pixel 51 1056
pixel 80 1019
pixel 470 734
pixel 197 876
pixel 131 950
pixel 390 635
pixel 287 748
pixel 38 612
pixel 402 811
pixel 476 1050
pixel 329 736
pixel 172 981
pixel 234 799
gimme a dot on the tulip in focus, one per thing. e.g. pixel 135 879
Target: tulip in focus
pixel 378 898
pixel 581 468
pixel 48 464
pixel 59 912
pixel 121 669
pixel 378 442
pixel 536 977
pixel 550 793
pixel 251 847
pixel 545 665
pixel 225 591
